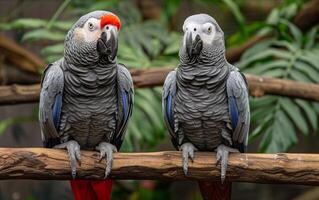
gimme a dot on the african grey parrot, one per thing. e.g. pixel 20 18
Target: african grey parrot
pixel 205 100
pixel 86 97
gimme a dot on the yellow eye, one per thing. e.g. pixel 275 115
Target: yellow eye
pixel 209 29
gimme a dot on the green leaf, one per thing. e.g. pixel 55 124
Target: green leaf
pixel 261 128
pixel 266 140
pixel 43 34
pixel 309 58
pixel 4 124
pixel 25 23
pixel 311 37
pixel 270 52
pixel 256 103
pixel 53 49
pixel 309 112
pixel 294 113
pixel 233 7
pixel 275 73
pixel 273 17
pixel 288 45
pixel 288 130
pixel 261 68
pixel 294 31
pixel 102 5
pixel 259 47
pixel 308 70
pixel 261 113
pixel 299 76
pixel 63 25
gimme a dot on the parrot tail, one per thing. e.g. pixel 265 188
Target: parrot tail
pixel 215 190
pixel 91 190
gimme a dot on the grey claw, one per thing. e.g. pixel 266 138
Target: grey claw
pixel 74 154
pixel 222 158
pixel 187 153
pixel 107 150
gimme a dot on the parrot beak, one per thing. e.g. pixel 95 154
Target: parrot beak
pixel 193 47
pixel 107 45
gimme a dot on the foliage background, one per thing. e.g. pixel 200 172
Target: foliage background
pixel 278 124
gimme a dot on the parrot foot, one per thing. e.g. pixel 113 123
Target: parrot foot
pixel 187 153
pixel 107 150
pixel 74 154
pixel 222 157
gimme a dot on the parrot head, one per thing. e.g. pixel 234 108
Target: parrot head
pixel 92 38
pixel 202 36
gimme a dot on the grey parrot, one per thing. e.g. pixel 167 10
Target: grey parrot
pixel 205 100
pixel 87 96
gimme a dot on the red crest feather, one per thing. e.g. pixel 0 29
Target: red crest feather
pixel 110 19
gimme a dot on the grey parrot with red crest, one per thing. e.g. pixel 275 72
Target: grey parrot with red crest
pixel 86 98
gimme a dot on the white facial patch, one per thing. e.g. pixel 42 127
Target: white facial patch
pixel 207 31
pixel 90 32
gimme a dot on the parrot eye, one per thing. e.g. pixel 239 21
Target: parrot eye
pixel 209 29
pixel 107 27
pixel 194 29
pixel 91 26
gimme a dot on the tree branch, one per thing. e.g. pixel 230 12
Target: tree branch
pixel 39 163
pixel 258 86
pixel 308 16
pixel 19 56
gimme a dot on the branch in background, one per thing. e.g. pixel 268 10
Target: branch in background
pixel 308 16
pixel 258 86
pixel 10 74
pixel 19 56
pixel 233 54
pixel 16 94
pixel 53 164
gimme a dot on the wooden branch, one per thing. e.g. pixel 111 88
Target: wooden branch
pixel 233 54
pixel 258 86
pixel 19 56
pixel 16 94
pixel 39 163
pixel 308 16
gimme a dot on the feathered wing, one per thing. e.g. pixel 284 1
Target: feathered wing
pixel 169 91
pixel 125 103
pixel 51 103
pixel 238 102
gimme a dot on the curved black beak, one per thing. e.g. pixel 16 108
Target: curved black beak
pixel 193 48
pixel 108 47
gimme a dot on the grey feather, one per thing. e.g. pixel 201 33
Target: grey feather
pixel 169 88
pixel 51 85
pixel 237 87
pixel 125 83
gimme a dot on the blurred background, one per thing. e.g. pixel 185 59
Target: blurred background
pixel 278 38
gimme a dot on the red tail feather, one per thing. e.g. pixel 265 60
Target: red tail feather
pixel 91 190
pixel 215 190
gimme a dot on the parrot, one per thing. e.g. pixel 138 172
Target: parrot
pixel 205 99
pixel 86 98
